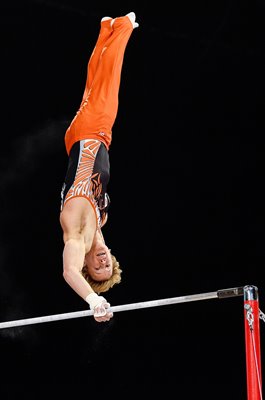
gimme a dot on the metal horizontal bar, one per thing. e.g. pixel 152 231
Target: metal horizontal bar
pixel 126 307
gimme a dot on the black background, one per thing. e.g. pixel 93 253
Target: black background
pixel 187 198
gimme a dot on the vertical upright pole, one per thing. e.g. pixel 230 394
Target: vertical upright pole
pixel 252 343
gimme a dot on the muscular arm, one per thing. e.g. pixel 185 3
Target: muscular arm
pixel 79 224
pixel 73 260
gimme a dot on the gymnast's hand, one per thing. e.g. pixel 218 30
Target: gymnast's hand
pixel 100 306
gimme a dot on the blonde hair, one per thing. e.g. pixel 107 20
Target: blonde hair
pixel 104 286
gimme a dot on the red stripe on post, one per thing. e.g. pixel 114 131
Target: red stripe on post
pixel 252 343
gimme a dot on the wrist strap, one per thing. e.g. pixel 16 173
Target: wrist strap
pixel 93 300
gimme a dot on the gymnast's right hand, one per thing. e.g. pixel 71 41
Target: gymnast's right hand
pixel 100 306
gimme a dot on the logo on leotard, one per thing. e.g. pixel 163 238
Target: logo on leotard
pixel 62 195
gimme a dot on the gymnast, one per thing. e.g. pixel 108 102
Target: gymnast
pixel 89 267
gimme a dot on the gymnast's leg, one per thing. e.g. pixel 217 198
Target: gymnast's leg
pixel 103 96
pixel 105 32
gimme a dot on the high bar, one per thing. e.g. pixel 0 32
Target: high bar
pixel 222 293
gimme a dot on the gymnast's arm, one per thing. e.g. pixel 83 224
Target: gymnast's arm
pixel 73 261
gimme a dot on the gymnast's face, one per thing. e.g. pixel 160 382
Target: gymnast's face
pixel 99 262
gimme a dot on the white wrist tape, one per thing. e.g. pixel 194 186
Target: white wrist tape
pixel 94 300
